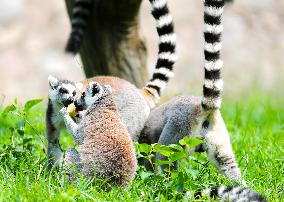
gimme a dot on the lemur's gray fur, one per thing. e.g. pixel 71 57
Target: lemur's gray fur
pixel 233 194
pixel 199 116
pixel 105 148
pixel 60 93
pixel 184 115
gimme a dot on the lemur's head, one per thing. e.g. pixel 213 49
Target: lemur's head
pixel 92 94
pixel 61 91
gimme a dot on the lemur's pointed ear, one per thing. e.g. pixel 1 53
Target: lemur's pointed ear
pixel 96 89
pixel 53 82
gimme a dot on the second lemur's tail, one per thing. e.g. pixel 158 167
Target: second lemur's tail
pixel 79 17
pixel 167 45
pixel 237 194
pixel 213 28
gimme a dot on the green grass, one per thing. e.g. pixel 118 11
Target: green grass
pixel 257 134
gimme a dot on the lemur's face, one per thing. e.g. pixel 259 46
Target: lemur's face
pixel 93 93
pixel 61 91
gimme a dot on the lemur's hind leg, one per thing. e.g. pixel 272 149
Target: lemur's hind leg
pixel 172 133
pixel 218 147
pixel 73 163
pixel 54 153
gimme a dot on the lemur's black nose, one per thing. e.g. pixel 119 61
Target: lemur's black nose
pixel 79 105
pixel 68 101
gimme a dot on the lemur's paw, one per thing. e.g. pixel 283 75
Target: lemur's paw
pixel 63 111
pixel 233 174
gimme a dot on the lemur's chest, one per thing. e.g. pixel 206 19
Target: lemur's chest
pixel 57 121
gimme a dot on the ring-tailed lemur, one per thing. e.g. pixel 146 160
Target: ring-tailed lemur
pixel 199 116
pixel 234 194
pixel 105 148
pixel 60 93
pixel 133 104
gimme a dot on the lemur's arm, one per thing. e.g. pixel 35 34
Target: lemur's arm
pixel 71 126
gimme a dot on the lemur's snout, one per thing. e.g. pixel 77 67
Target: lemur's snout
pixel 79 105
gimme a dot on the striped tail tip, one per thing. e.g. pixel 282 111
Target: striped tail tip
pixel 79 21
pixel 73 45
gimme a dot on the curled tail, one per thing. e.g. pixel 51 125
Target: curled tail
pixel 167 45
pixel 213 28
pixel 236 194
pixel 79 17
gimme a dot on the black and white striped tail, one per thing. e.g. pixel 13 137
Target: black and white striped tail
pixel 213 28
pixel 236 194
pixel 167 45
pixel 79 18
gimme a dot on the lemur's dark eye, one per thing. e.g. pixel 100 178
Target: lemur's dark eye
pixel 205 124
pixel 83 94
pixel 74 93
pixel 63 91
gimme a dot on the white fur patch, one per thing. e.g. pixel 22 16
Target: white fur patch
pixel 213 11
pixel 221 190
pixel 168 38
pixel 155 94
pixel 168 56
pixel 168 73
pixel 212 102
pixel 213 47
pixel 214 84
pixel 157 4
pixel 79 86
pixel 70 87
pixel 159 83
pixel 214 29
pixel 213 65
pixel 164 20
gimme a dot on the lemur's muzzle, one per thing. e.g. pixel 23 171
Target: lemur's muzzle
pixel 79 105
pixel 68 101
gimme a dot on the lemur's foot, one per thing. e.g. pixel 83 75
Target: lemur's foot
pixel 54 155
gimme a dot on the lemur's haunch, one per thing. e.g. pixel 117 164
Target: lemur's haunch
pixel 199 116
pixel 105 146
pixel 133 104
pixel 233 194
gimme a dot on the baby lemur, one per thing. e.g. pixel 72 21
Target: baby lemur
pixel 133 104
pixel 105 148
pixel 199 117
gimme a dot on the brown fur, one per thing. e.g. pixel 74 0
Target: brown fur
pixel 105 146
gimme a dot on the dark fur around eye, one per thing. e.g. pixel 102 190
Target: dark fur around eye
pixel 74 93
pixel 63 91
pixel 205 124
pixel 95 90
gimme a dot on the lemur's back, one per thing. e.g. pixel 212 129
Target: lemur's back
pixel 107 146
pixel 130 102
